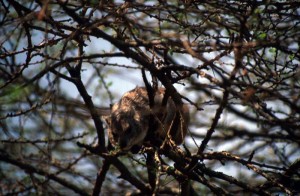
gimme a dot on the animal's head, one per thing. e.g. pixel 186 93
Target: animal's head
pixel 127 127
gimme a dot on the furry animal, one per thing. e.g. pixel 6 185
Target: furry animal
pixel 132 119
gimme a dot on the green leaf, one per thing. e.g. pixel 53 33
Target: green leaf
pixel 262 36
pixel 292 57
pixel 179 16
pixel 135 31
pixel 272 50
pixel 12 93
pixel 109 84
pixel 258 11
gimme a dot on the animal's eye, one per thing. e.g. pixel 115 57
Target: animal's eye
pixel 128 130
pixel 115 135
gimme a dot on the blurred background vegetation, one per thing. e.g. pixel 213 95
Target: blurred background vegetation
pixel 236 63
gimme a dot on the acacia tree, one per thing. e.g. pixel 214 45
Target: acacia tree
pixel 236 63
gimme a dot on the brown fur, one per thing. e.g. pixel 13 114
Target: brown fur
pixel 129 121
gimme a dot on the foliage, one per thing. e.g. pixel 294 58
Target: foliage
pixel 236 63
